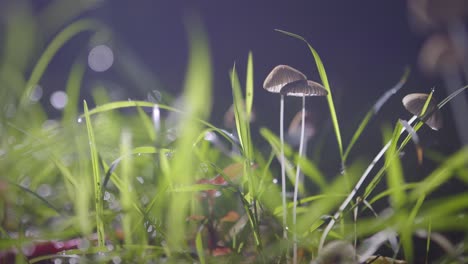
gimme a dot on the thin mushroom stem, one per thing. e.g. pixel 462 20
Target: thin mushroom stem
pixel 357 186
pixel 283 169
pixel 296 185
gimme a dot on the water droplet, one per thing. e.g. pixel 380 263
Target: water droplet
pixel 107 196
pixel 116 260
pixel 58 261
pixel 275 181
pixel 44 190
pixel 110 247
pixel 140 179
pixel 149 229
pixel 100 58
pixel 36 94
pixel 80 120
pixel 154 97
pixel 210 136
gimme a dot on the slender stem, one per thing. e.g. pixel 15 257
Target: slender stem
pixel 296 183
pixel 356 188
pixel 283 170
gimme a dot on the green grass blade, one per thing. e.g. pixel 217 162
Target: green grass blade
pixel 75 78
pixel 395 179
pixel 324 78
pixel 41 65
pixel 199 246
pixel 407 231
pixel 198 100
pixel 127 191
pixel 96 176
pixel 249 86
pixel 441 175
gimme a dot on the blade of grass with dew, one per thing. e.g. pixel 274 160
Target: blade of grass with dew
pixel 243 130
pixel 137 150
pixel 126 104
pixel 147 124
pixel 373 111
pixel 324 78
pixel 198 99
pixel 97 178
pixel 64 36
pixel 127 191
pixel 395 179
pixel 70 112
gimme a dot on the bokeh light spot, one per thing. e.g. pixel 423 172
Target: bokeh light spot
pixel 59 99
pixel 100 58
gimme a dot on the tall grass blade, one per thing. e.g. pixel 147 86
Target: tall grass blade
pixel 197 99
pixel 64 36
pixel 395 179
pixel 75 78
pixel 249 86
pixel 324 78
pixel 98 202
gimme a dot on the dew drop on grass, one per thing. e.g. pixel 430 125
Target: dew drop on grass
pixel 58 261
pixel 44 190
pixel 140 179
pixel 149 229
pixel 36 94
pixel 154 97
pixel 275 181
pixel 144 199
pixel 79 120
pixel 106 196
pixel 116 260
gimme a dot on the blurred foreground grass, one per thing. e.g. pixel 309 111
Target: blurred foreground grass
pixel 156 183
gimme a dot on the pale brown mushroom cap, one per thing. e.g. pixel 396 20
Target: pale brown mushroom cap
pixel 428 14
pixel 414 103
pixel 438 55
pixel 304 88
pixel 280 76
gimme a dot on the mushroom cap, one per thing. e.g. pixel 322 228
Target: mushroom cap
pixel 414 103
pixel 425 15
pixel 304 88
pixel 280 76
pixel 438 55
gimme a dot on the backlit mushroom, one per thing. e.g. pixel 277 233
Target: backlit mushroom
pixel 301 88
pixel 278 78
pixel 414 103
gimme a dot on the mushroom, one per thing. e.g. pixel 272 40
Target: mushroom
pixel 278 78
pixel 414 103
pixel 301 88
pixel 429 14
